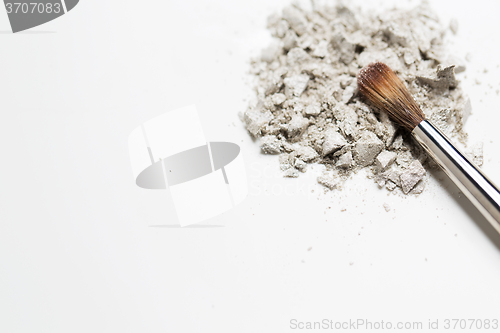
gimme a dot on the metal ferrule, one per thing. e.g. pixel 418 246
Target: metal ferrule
pixel 469 179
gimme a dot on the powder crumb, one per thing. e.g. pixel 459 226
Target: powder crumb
pixel 309 249
pixel 295 85
pixel 278 98
pixel 459 63
pixel 419 188
pixel 297 126
pixel 390 185
pixel 367 148
pixel 300 165
pixel 312 110
pixel 345 161
pixel 454 25
pixel 475 153
pixel 411 176
pixel 291 173
pixel 385 159
pixel 307 109
pixel 328 181
pixel 270 144
pixel 387 207
pixel 333 141
pixel 466 110
pixel 442 79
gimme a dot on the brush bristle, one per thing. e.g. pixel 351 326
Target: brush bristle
pixel 383 88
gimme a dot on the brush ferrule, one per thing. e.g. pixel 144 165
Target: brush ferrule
pixel 468 178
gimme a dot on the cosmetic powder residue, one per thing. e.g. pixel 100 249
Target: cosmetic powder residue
pixel 307 109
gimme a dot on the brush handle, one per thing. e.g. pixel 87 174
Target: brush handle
pixel 469 179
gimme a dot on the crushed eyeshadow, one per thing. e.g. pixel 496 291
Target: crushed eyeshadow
pixel 307 108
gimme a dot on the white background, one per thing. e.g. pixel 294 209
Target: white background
pixel 82 248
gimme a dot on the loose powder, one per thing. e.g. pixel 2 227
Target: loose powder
pixel 307 107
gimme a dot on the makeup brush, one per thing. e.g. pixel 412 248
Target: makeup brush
pixel 383 88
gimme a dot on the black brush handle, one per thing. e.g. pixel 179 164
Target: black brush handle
pixel 469 179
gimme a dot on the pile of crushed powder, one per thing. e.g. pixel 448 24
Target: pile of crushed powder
pixel 307 108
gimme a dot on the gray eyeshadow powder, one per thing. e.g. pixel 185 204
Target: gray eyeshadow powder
pixel 307 108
